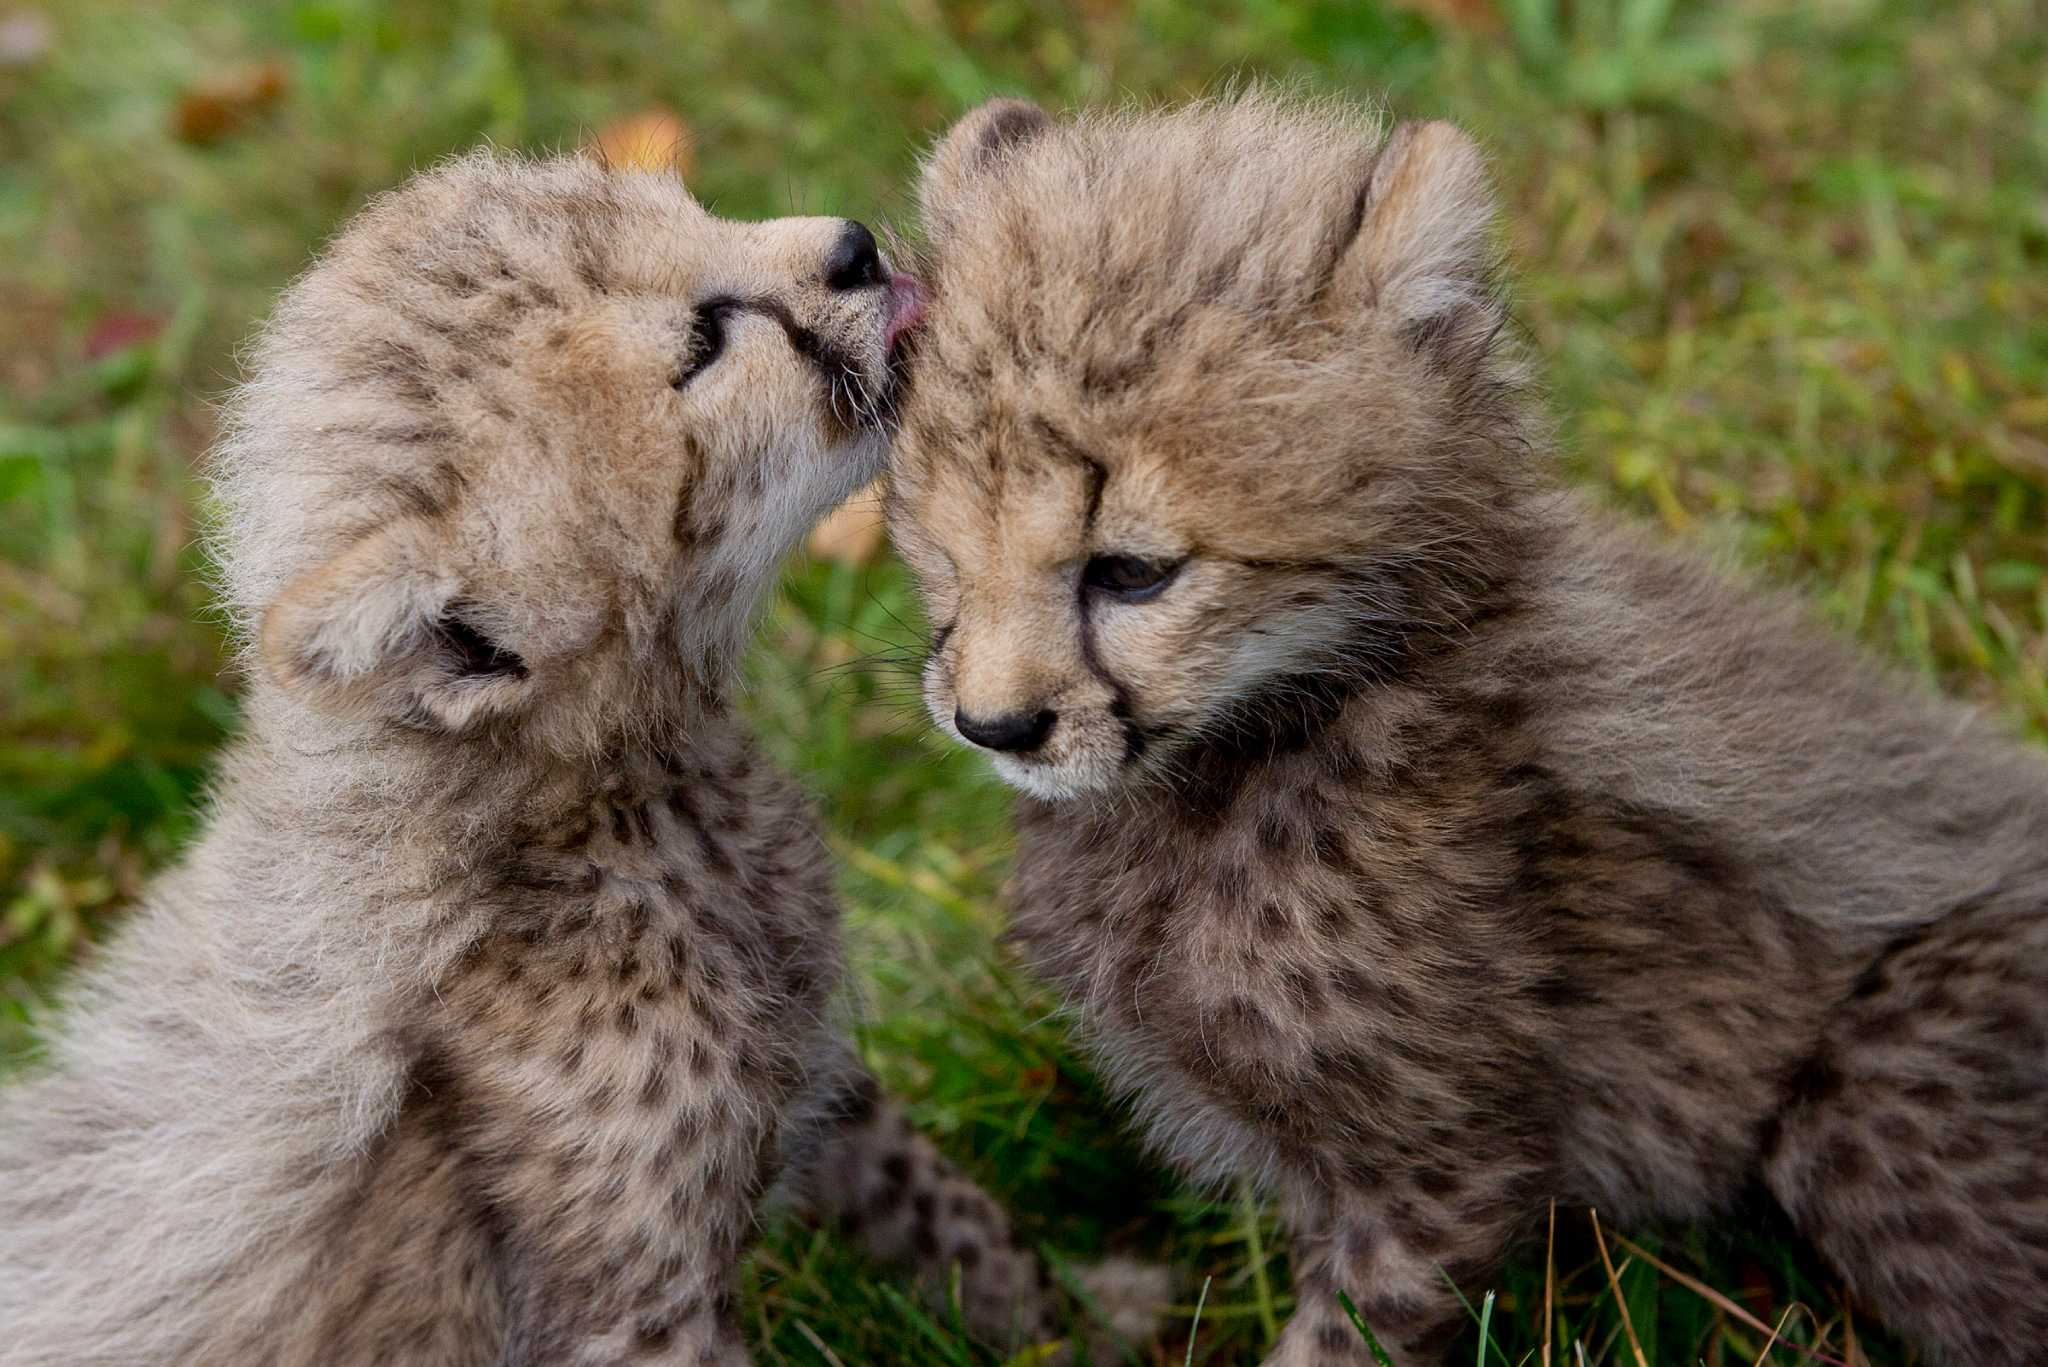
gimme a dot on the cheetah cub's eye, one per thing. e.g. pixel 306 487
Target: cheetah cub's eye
pixel 707 341
pixel 1128 578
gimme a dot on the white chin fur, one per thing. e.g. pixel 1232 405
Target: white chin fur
pixel 1039 781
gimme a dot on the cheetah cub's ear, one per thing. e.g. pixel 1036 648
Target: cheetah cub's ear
pixel 382 630
pixel 1420 247
pixel 971 148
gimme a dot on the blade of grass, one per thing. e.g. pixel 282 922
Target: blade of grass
pixel 831 1358
pixel 1776 1329
pixel 1379 1354
pixel 1621 1302
pixel 1717 1299
pixel 1485 1324
pixel 1195 1325
pixel 948 1347
pixel 1549 1281
pixel 1262 1285
pixel 1470 1311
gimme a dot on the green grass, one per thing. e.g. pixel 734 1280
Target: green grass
pixel 1786 264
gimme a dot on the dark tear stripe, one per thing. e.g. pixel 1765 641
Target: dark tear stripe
pixel 1098 477
pixel 1120 696
pixel 682 524
pixel 679 520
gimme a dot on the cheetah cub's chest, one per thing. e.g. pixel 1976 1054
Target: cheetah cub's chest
pixel 1271 973
pixel 661 941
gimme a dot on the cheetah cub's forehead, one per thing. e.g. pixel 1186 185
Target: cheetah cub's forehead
pixel 529 440
pixel 1217 397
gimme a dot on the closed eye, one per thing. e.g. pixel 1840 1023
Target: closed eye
pixel 1128 578
pixel 706 341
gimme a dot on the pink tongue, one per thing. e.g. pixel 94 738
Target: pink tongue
pixel 906 308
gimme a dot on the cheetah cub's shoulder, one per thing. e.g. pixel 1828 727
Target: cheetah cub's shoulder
pixel 493 995
pixel 1407 832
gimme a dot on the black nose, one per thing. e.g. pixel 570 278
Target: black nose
pixel 855 262
pixel 1012 732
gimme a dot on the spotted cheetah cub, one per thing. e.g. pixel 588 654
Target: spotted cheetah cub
pixel 1410 835
pixel 497 990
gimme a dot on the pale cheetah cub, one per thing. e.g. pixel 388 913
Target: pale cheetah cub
pixel 497 990
pixel 1410 835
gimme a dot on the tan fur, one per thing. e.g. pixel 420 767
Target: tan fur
pixel 498 989
pixel 1412 838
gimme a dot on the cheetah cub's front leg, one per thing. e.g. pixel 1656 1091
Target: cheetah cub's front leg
pixel 1370 1246
pixel 867 1171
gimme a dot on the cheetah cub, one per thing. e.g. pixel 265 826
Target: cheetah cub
pixel 497 990
pixel 1410 835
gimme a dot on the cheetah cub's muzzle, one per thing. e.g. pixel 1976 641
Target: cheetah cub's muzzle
pixel 861 363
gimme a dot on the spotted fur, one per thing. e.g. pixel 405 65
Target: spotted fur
pixel 498 989
pixel 1410 836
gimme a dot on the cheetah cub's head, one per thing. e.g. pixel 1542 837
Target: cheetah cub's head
pixel 520 452
pixel 1210 424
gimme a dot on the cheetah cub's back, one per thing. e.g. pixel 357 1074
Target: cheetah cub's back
pixel 1408 833
pixel 496 991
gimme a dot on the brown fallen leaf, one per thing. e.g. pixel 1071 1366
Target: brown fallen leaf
pixel 655 139
pixel 852 532
pixel 220 104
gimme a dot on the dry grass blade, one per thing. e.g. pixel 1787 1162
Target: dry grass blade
pixel 830 1357
pixel 1620 1302
pixel 1549 1282
pixel 1772 1341
pixel 1717 1299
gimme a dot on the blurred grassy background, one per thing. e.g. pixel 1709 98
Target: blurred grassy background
pixel 1787 259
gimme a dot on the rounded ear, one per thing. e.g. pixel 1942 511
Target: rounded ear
pixel 970 149
pixel 381 630
pixel 1420 246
